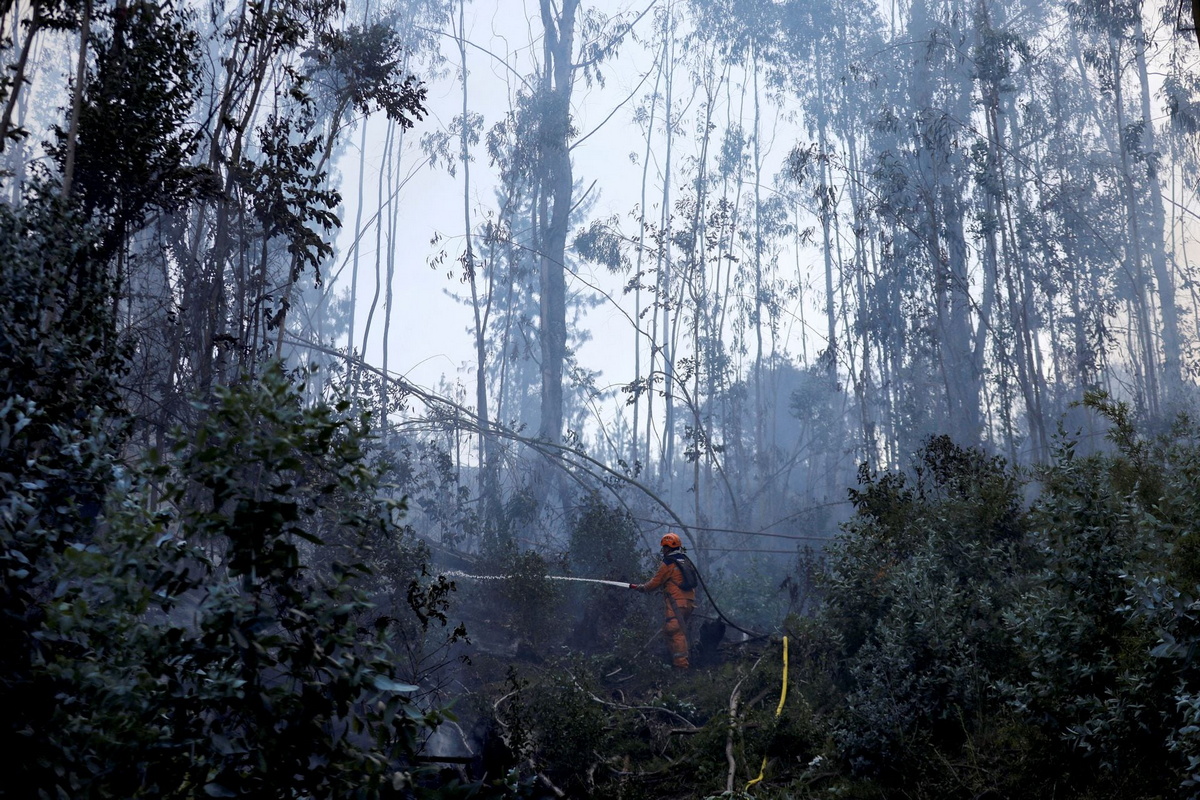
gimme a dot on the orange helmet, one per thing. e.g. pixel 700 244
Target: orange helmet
pixel 672 541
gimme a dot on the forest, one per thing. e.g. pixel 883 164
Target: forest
pixel 357 357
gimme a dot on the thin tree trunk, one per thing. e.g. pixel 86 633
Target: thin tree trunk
pixel 393 241
pixel 1172 366
pixel 352 371
pixel 389 143
pixel 665 292
pixel 85 35
pixel 762 449
pixel 487 479
pixel 1149 351
pixel 19 79
pixel 556 177
pixel 637 296
pixel 825 211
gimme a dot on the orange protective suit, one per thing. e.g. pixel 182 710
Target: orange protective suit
pixel 678 604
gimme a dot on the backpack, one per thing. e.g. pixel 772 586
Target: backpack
pixel 691 578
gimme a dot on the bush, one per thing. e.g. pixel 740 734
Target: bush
pixel 60 429
pixel 918 589
pixel 990 649
pixel 188 650
pixel 1105 636
pixel 605 544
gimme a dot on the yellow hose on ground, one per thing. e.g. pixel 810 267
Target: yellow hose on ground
pixel 778 711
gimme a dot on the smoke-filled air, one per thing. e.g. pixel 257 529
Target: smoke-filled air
pixel 617 399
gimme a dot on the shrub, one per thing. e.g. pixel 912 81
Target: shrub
pixel 917 592
pixel 189 649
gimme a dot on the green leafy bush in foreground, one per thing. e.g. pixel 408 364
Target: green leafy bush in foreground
pixel 1037 648
pixel 184 649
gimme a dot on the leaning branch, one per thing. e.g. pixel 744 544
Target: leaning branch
pixel 466 419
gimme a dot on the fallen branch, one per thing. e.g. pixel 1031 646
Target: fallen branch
pixel 733 724
pixel 662 771
pixel 758 698
pixel 733 704
pixel 691 725
pixel 557 791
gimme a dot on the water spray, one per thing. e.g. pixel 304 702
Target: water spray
pixel 618 584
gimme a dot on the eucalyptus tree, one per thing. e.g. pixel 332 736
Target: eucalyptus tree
pixel 644 116
pixel 218 284
pixel 670 256
pixel 702 226
pixel 1180 92
pixel 62 353
pixel 464 133
pixel 1009 256
pixel 926 170
pixel 532 149
pixel 666 307
pixel 553 176
pixel 510 255
pixel 1113 35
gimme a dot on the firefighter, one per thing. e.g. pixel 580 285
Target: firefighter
pixel 677 578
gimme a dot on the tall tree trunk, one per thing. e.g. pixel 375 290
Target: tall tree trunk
pixel 488 488
pixel 666 294
pixel 19 71
pixel 1135 260
pixel 762 449
pixel 637 291
pixel 704 454
pixel 393 241
pixel 825 212
pixel 382 188
pixel 555 206
pixel 1172 364
pixel 352 370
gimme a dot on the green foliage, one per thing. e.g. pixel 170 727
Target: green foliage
pixel 959 504
pixel 60 425
pixel 605 542
pixel 135 141
pixel 1072 627
pixel 288 196
pixel 363 67
pixel 427 475
pixel 569 727
pixel 600 243
pixel 524 603
pixel 990 648
pixel 1106 633
pixel 186 649
pixel 199 626
pixel 917 592
pixel 750 593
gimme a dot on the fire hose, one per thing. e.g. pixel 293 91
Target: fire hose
pixel 619 585
pixel 762 771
